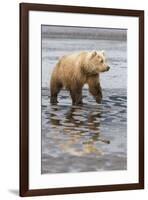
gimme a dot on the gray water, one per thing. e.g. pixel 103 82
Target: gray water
pixel 91 137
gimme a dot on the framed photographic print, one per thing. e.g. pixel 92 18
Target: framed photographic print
pixel 81 99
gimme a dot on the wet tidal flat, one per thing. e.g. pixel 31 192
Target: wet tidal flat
pixel 91 137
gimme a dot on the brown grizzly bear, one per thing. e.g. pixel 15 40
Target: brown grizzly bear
pixel 74 70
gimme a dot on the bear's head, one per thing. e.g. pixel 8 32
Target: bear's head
pixel 95 63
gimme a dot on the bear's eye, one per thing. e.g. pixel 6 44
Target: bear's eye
pixel 101 61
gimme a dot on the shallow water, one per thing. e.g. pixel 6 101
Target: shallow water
pixel 91 137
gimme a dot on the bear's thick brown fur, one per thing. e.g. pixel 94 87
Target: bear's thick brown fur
pixel 74 70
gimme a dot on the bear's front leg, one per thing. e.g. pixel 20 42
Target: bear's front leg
pixel 95 89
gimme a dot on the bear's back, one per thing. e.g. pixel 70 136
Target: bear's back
pixel 69 67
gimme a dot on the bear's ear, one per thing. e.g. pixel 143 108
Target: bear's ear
pixel 103 52
pixel 93 54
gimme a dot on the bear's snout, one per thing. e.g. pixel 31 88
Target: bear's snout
pixel 108 68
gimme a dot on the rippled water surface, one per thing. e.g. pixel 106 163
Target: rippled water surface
pixel 91 137
pixel 84 138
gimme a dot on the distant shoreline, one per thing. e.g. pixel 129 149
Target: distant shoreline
pixel 68 32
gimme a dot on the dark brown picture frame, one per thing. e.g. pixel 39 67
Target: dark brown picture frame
pixel 24 98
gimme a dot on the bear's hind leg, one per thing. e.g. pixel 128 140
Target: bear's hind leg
pixel 54 90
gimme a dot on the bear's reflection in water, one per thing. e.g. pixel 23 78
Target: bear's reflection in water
pixel 79 126
pixel 90 137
